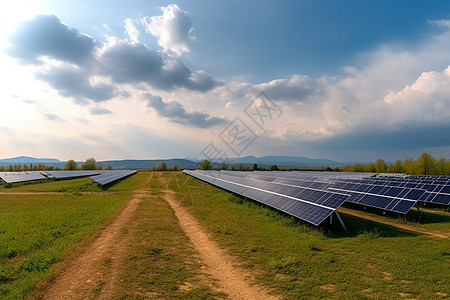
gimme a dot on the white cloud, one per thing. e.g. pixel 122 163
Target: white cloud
pixel 131 30
pixel 173 28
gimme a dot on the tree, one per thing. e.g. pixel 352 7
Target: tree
pixel 174 168
pixel 25 168
pixel 425 164
pixel 233 168
pixel 397 167
pixel 255 167
pixel 205 165
pixel 273 168
pixel 369 168
pixel 99 167
pixel 108 167
pixel 409 166
pixel 153 167
pixel 380 166
pixel 241 167
pixel 224 166
pixel 89 164
pixel 440 166
pixel 71 165
pixel 162 167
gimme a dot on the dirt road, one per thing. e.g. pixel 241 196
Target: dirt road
pixel 84 277
pixel 233 280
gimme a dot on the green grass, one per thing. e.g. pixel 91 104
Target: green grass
pixel 369 261
pixel 36 231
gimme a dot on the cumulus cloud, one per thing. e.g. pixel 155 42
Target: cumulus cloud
pixel 75 83
pixel 100 111
pixel 52 117
pixel 296 88
pixel 173 28
pixel 131 30
pixel 46 35
pixel 175 112
pixel 137 63
pixel 68 61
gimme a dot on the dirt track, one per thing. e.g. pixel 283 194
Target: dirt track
pixel 233 280
pixel 82 278
pixel 85 276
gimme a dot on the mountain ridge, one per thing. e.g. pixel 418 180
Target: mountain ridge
pixel 263 161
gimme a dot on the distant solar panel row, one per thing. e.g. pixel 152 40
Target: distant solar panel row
pixel 101 177
pixel 311 205
pixel 110 176
pixel 13 177
pixel 391 192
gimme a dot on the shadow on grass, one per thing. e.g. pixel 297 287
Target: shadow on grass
pixel 356 227
pixel 359 226
pixel 427 217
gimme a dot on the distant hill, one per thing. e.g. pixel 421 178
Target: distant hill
pixel 285 161
pixel 147 164
pixel 265 161
pixel 116 164
pixel 28 159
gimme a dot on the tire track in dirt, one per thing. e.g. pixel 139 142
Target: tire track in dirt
pixel 83 275
pixel 232 280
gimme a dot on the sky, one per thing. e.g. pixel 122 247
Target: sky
pixel 351 80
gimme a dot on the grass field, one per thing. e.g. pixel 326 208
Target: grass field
pixel 296 261
pixel 37 231
pixel 369 261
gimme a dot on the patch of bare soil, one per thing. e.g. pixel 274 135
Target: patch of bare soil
pixel 406 227
pixel 232 280
pixel 85 277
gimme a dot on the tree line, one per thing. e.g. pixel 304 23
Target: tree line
pixel 426 164
pixel 89 164
pixel 207 165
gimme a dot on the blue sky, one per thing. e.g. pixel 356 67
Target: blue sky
pixel 346 80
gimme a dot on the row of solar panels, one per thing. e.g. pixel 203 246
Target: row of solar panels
pixel 310 205
pixel 329 190
pixel 102 177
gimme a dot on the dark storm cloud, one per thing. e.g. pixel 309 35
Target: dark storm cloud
pixel 404 138
pixel 136 63
pixel 45 35
pixel 175 112
pixel 75 83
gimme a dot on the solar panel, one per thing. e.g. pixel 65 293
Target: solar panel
pixel 71 174
pixel 308 204
pixel 101 177
pixel 13 177
pixel 392 192
pixel 109 176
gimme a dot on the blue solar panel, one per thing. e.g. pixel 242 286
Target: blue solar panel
pixel 308 204
pixel 109 176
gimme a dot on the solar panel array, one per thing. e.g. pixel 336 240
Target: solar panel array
pixel 109 176
pixel 13 177
pixel 313 205
pixel 101 177
pixel 391 192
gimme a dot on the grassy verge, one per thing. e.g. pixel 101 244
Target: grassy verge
pixel 370 260
pixel 161 263
pixel 37 231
